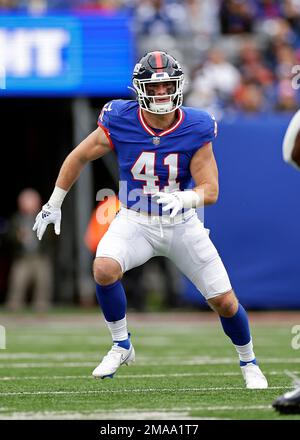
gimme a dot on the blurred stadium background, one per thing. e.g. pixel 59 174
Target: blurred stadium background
pixel 62 60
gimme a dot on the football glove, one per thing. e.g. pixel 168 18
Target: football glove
pixel 178 200
pixel 47 215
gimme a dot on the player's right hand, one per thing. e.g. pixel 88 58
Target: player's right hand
pixel 47 215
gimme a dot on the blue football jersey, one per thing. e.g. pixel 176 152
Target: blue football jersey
pixel 153 160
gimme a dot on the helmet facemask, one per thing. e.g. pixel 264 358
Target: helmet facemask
pixel 160 104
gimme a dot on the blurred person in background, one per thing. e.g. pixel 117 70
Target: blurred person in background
pixel 249 98
pixel 160 17
pixel 8 4
pixel 165 25
pixel 253 66
pixel 265 9
pixel 214 83
pixel 237 16
pixel 31 259
pixel 105 6
pixel 291 10
pixel 256 92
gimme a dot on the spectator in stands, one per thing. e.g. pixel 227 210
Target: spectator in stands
pixel 31 264
pixel 287 97
pixel 291 11
pixel 8 4
pixel 163 25
pixel 266 9
pixel 203 17
pixel 252 65
pixel 214 83
pixel 157 17
pixel 249 98
pixel 236 16
pixel 99 5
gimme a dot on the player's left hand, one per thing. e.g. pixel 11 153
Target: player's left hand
pixel 172 201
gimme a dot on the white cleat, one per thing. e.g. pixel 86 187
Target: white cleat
pixel 116 357
pixel 254 378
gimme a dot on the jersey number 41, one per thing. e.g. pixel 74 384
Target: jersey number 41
pixel 144 169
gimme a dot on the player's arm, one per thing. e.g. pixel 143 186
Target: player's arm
pixel 91 148
pixel 204 171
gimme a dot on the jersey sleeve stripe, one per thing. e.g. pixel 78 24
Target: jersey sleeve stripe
pixel 107 135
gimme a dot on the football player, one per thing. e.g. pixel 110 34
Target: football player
pixel 289 402
pixel 291 142
pixel 161 147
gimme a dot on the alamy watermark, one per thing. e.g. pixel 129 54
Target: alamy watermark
pixel 2 338
pixel 295 343
pixel 138 200
pixel 296 77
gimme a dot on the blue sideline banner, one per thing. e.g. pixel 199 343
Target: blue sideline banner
pixel 255 224
pixel 66 55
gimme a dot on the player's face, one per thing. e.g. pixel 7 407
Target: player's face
pixel 161 89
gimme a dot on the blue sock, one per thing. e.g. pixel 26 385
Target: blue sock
pixel 123 344
pixel 112 301
pixel 242 363
pixel 238 330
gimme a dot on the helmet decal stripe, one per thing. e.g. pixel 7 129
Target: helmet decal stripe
pixel 159 61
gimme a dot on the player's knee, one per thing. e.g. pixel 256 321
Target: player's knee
pixel 225 305
pixel 106 271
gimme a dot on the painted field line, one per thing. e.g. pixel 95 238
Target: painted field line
pixel 148 415
pixel 160 410
pixel 142 361
pixel 141 376
pixel 92 340
pixel 47 364
pixel 51 356
pixel 130 390
pixel 143 357
pixel 181 413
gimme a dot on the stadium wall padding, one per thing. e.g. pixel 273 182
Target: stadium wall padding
pixel 255 224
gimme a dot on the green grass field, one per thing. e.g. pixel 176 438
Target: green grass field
pixel 186 368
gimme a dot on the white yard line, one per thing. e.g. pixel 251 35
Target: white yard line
pixel 160 410
pixel 129 390
pixel 180 413
pixel 141 361
pixel 149 341
pixel 53 356
pixel 108 415
pixel 47 364
pixel 140 376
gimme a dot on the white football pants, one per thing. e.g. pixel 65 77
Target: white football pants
pixel 134 238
